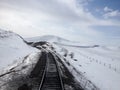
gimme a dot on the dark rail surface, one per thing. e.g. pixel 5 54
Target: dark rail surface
pixel 51 79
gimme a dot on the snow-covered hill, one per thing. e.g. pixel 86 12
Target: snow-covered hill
pixel 64 42
pixel 91 65
pixel 99 65
pixel 59 41
pixel 12 48
pixel 49 38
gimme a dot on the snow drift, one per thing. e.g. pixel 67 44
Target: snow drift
pixel 90 64
pixel 12 48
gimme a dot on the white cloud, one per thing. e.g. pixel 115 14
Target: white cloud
pixel 115 13
pixel 57 17
pixel 111 13
pixel 106 9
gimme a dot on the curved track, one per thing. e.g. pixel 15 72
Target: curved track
pixel 52 78
pixel 48 73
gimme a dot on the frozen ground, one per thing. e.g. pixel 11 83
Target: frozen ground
pixel 99 65
pixel 94 66
pixel 12 48
pixel 18 73
pixel 17 59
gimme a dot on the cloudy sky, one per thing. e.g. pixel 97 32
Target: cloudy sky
pixel 93 21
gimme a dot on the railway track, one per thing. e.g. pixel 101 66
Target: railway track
pixel 52 79
pixel 48 73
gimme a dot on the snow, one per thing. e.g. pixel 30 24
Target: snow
pixel 12 48
pixel 19 72
pixel 96 67
pixel 99 65
pixel 48 38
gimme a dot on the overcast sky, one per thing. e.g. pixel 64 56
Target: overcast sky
pixel 93 21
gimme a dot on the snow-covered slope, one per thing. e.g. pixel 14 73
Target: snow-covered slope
pixel 99 65
pixel 49 38
pixel 12 47
pixel 92 65
pixel 58 40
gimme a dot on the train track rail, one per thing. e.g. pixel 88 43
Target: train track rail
pixel 52 79
pixel 48 73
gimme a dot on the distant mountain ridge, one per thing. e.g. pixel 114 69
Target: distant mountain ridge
pixel 49 38
pixel 61 41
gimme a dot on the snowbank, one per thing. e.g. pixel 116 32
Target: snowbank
pixel 99 66
pixel 12 47
pixel 94 66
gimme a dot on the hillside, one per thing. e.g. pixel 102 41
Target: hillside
pixel 91 65
pixel 12 48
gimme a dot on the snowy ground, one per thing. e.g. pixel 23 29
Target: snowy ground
pixel 17 59
pixel 12 48
pixel 18 73
pixel 96 68
pixel 99 65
